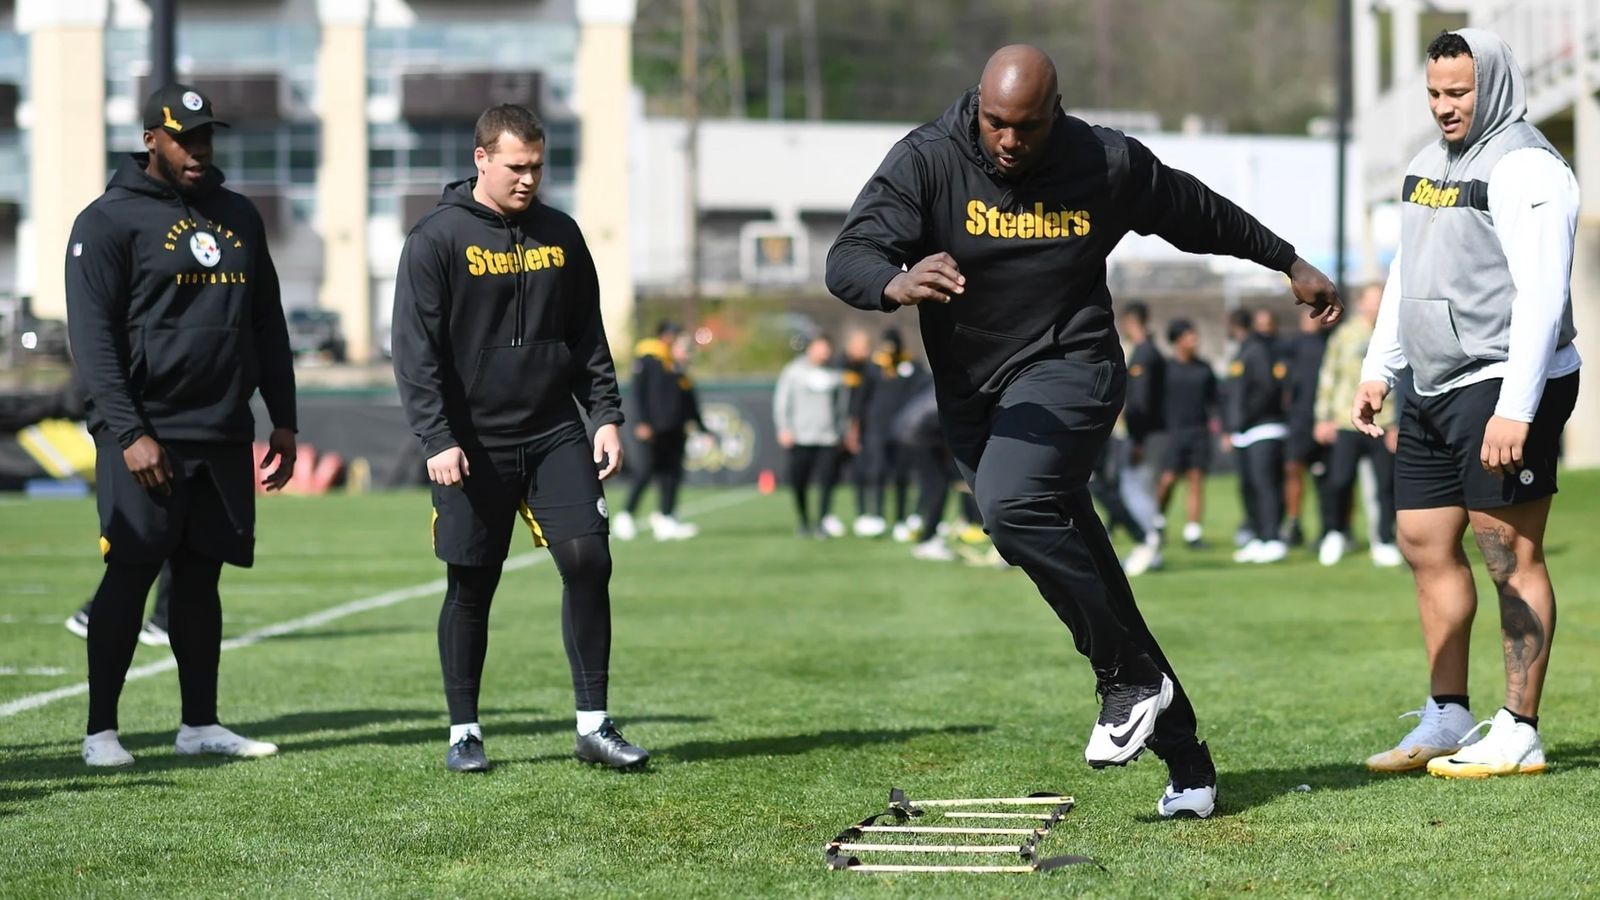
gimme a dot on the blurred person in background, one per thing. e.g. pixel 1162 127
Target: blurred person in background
pixel 808 411
pixel 895 378
pixel 1302 353
pixel 853 363
pixel 176 320
pixel 1347 447
pixel 666 406
pixel 1191 414
pixel 1144 418
pixel 996 221
pixel 1257 426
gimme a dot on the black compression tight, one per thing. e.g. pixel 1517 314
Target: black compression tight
pixel 194 623
pixel 585 567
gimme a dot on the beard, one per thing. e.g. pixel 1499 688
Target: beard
pixel 173 177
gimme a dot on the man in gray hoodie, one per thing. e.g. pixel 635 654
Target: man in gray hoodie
pixel 1478 308
pixel 808 411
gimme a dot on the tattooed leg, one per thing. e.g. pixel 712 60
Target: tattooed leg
pixel 1511 540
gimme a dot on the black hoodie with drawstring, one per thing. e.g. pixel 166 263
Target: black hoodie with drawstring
pixel 174 312
pixel 1033 249
pixel 497 326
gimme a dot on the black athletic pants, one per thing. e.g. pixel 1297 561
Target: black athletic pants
pixel 808 462
pixel 162 615
pixel 884 463
pixel 663 461
pixel 1261 487
pixel 1028 460
pixel 194 624
pixel 933 486
pixel 1344 459
pixel 585 566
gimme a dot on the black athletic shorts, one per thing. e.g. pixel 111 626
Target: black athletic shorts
pixel 1187 448
pixel 211 510
pixel 1302 445
pixel 1438 464
pixel 551 483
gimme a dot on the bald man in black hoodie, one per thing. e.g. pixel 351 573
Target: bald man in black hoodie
pixel 996 221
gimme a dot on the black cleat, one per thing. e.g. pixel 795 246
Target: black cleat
pixel 1191 785
pixel 466 755
pixel 607 747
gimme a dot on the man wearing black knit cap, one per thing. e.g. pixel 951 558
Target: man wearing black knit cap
pixel 996 221
pixel 176 320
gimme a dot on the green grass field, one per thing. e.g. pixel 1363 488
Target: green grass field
pixel 784 687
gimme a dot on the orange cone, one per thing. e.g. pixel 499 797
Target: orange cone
pixel 766 482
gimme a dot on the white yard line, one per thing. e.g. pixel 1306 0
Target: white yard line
pixel 433 588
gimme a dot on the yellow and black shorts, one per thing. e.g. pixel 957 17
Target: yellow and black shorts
pixel 210 510
pixel 550 483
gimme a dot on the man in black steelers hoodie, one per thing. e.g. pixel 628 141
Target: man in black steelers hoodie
pixel 175 320
pixel 995 221
pixel 496 332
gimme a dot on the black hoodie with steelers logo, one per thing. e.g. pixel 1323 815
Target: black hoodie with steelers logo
pixel 1033 249
pixel 174 313
pixel 497 327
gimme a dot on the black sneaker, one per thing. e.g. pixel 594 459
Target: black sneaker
pixel 466 755
pixel 607 747
pixel 1191 785
pixel 1128 711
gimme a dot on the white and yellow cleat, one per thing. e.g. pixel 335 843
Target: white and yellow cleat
pixel 215 739
pixel 1510 748
pixel 1444 729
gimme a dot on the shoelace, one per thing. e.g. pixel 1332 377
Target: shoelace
pixel 1486 723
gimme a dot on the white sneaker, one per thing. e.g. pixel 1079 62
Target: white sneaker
pixel 832 527
pixel 78 624
pixel 1127 719
pixel 1192 532
pixel 668 528
pixel 1191 786
pixel 1141 559
pixel 1332 548
pixel 1199 802
pixel 1387 556
pixel 153 635
pixel 1510 748
pixel 1249 552
pixel 102 749
pixel 933 549
pixel 622 527
pixel 220 741
pixel 903 533
pixel 870 526
pixel 1444 729
pixel 1271 552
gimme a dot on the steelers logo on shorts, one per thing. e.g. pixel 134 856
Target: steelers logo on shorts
pixel 601 506
pixel 1526 477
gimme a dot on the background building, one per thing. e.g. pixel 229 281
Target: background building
pixel 348 117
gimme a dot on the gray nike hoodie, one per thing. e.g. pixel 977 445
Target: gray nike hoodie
pixel 1456 288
